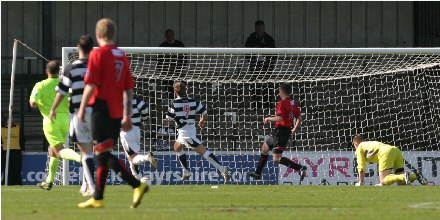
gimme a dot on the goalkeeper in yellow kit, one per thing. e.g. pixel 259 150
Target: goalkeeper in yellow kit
pixel 42 97
pixel 389 158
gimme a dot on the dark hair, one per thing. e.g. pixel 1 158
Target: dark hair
pixel 53 66
pixel 168 30
pixel 358 138
pixel 85 43
pixel 259 22
pixel 286 88
pixel 180 89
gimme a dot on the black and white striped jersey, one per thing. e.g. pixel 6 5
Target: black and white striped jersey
pixel 73 81
pixel 183 110
pixel 140 111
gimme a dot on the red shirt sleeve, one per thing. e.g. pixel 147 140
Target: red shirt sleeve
pixel 93 74
pixel 296 110
pixel 129 81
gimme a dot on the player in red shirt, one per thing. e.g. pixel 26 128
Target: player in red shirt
pixel 286 113
pixel 109 90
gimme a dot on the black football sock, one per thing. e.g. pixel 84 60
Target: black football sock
pixel 119 167
pixel 101 175
pixel 289 163
pixel 182 159
pixel 89 170
pixel 136 168
pixel 261 163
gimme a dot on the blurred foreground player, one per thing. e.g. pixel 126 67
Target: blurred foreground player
pixel 109 90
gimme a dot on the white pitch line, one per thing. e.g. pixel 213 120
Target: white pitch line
pixel 426 205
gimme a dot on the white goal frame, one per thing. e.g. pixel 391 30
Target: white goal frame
pixel 256 51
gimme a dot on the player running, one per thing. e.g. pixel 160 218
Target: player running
pixel 131 140
pixel 80 132
pixel 286 113
pixel 388 157
pixel 109 86
pixel 42 97
pixel 183 111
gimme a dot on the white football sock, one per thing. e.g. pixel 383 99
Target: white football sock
pixel 86 172
pixel 212 161
pixel 133 170
pixel 139 159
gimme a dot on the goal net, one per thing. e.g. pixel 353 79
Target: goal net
pixel 387 94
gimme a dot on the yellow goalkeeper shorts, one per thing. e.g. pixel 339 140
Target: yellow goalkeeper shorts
pixel 391 158
pixel 56 131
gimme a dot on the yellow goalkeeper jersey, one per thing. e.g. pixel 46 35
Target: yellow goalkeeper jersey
pixel 369 151
pixel 44 94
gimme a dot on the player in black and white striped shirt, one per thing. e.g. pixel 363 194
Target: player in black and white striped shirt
pixel 72 82
pixel 183 111
pixel 131 140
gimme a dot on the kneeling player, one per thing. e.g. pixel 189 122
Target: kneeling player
pixel 388 157
pixel 183 111
pixel 287 110
pixel 131 140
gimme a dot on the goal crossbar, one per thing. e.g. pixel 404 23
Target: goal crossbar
pixel 312 51
pixel 388 94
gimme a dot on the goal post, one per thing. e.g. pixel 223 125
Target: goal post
pixel 11 103
pixel 387 94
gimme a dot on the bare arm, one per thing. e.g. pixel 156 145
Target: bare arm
pixel 203 120
pixel 126 118
pixel 58 99
pixel 361 178
pixel 128 98
pixel 273 119
pixel 89 90
pixel 297 124
pixel 33 104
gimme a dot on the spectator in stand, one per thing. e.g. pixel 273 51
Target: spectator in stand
pixel 171 64
pixel 15 152
pixel 261 66
pixel 171 40
pixel 260 38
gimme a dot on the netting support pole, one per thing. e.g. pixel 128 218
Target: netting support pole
pixel 65 173
pixel 11 102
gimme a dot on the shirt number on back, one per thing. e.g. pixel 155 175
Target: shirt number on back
pixel 119 68
pixel 187 110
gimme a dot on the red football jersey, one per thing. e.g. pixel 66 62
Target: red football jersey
pixel 109 70
pixel 288 110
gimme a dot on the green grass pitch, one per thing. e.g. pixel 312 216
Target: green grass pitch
pixel 228 202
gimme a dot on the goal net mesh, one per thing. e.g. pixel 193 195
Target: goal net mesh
pixel 392 98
